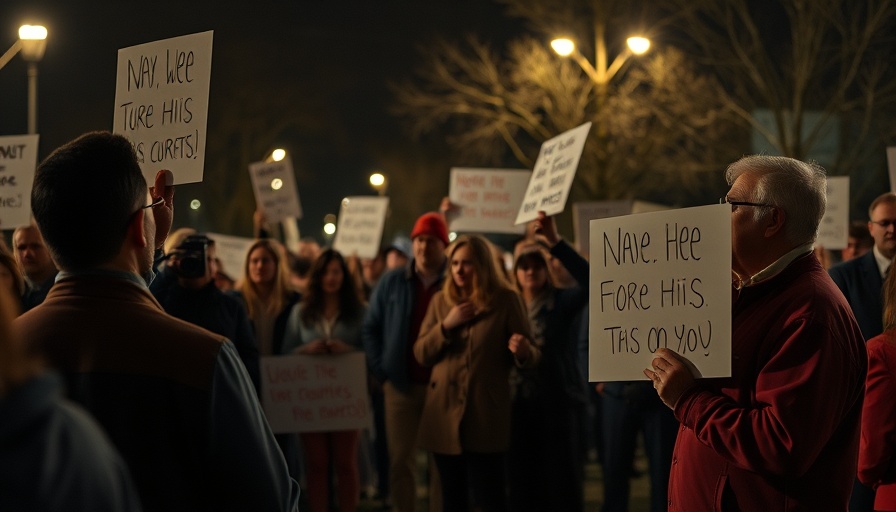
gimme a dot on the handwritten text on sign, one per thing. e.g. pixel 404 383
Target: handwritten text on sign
pixel 275 189
pixel 833 230
pixel 489 199
pixel 553 174
pixel 320 393
pixel 360 226
pixel 18 159
pixel 660 279
pixel 161 104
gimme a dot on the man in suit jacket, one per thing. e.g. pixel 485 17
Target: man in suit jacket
pixel 174 398
pixel 861 280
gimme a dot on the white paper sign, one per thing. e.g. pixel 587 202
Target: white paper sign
pixel 161 104
pixel 232 251
pixel 891 166
pixel 489 199
pixel 585 211
pixel 18 161
pixel 320 393
pixel 360 226
pixel 833 230
pixel 554 171
pixel 275 189
pixel 660 279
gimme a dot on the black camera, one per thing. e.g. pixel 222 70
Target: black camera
pixel 191 257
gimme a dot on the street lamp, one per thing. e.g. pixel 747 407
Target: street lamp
pixel 32 43
pixel 379 183
pixel 601 74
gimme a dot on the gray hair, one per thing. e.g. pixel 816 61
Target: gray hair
pixel 799 188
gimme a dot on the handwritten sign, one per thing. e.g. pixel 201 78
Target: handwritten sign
pixel 232 251
pixel 833 230
pixel 489 199
pixel 360 226
pixel 583 212
pixel 554 171
pixel 891 166
pixel 18 160
pixel 161 104
pixel 660 279
pixel 275 189
pixel 323 393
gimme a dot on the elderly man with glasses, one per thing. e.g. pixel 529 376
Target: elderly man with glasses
pixel 781 433
pixel 174 399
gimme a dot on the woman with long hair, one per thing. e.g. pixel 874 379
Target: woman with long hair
pixel 877 447
pixel 328 321
pixel 474 332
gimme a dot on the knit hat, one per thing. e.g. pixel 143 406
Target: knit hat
pixel 431 224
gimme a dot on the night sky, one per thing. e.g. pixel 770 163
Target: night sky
pixel 309 76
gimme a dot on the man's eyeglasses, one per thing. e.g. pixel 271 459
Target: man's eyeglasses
pixel 155 202
pixel 886 223
pixel 725 199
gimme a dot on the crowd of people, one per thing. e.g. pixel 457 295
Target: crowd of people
pixel 130 353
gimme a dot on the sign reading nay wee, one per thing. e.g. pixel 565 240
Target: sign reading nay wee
pixel 660 280
pixel 161 104
pixel 553 174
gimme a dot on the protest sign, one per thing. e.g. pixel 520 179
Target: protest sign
pixel 660 279
pixel 488 198
pixel 553 175
pixel 161 104
pixel 833 230
pixel 360 226
pixel 315 393
pixel 891 167
pixel 232 251
pixel 18 160
pixel 275 189
pixel 583 212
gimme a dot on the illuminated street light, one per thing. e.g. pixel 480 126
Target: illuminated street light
pixel 638 45
pixel 195 204
pixel 276 184
pixel 278 154
pixel 32 43
pixel 379 183
pixel 601 73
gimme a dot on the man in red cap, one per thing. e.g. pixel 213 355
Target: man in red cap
pixel 396 310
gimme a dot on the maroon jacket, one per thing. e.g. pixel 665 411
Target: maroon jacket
pixel 782 433
pixel 878 447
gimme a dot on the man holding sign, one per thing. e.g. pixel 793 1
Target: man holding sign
pixel 782 433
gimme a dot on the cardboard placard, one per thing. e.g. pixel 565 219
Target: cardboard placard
pixel 660 279
pixel 585 211
pixel 232 251
pixel 360 226
pixel 319 393
pixel 161 104
pixel 18 161
pixel 275 189
pixel 488 198
pixel 833 230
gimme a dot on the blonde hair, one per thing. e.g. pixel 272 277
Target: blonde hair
pixel 487 280
pixel 280 294
pixel 15 365
pixel 9 261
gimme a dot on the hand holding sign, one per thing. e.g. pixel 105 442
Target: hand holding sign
pixel 671 376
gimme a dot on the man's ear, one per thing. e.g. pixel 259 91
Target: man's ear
pixel 136 234
pixel 774 222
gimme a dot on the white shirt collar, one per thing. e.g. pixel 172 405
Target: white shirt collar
pixel 883 263
pixel 775 268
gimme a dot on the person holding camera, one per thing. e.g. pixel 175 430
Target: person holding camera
pixel 185 287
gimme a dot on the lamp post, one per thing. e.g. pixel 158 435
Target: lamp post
pixel 32 43
pixel 379 183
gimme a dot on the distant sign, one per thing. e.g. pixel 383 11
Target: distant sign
pixel 360 226
pixel 18 160
pixel 232 251
pixel 554 171
pixel 161 104
pixel 489 199
pixel 891 166
pixel 833 230
pixel 660 279
pixel 320 393
pixel 275 189
pixel 585 211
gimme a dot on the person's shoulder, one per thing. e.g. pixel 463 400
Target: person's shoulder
pixel 850 267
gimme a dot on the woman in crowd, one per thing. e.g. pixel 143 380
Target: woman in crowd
pixel 475 330
pixel 877 448
pixel 545 462
pixel 328 321
pixel 10 276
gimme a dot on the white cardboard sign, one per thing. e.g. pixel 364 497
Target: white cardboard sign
pixel 660 279
pixel 319 393
pixel 275 189
pixel 161 104
pixel 360 226
pixel 489 199
pixel 891 166
pixel 18 161
pixel 554 171
pixel 833 230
